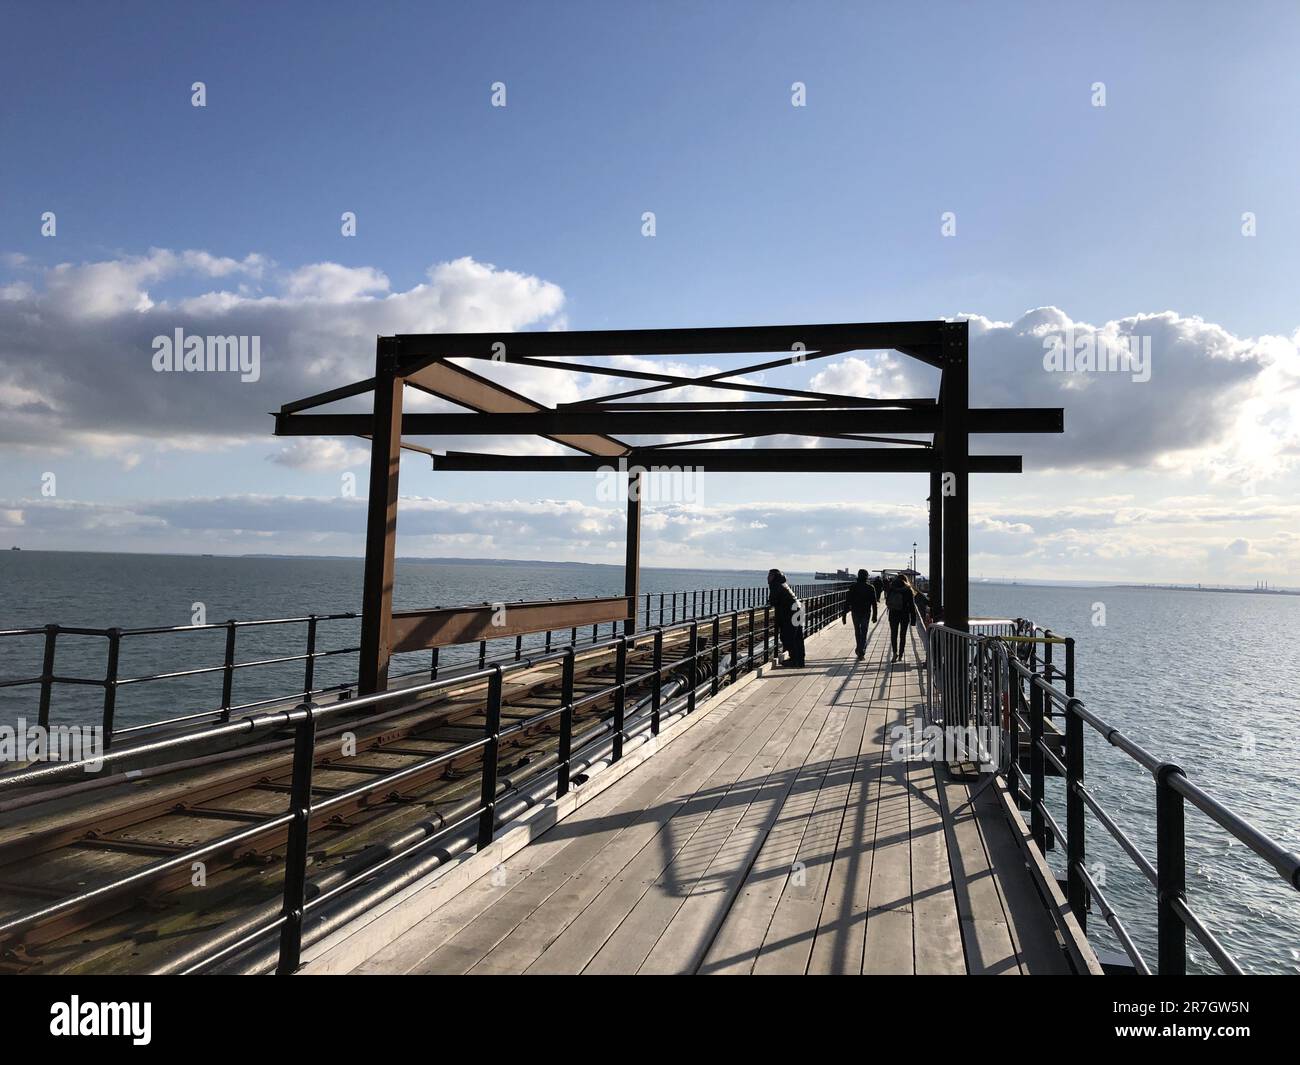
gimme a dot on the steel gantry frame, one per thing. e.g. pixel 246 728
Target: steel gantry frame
pixel 589 428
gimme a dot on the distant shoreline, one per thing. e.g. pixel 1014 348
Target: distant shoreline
pixel 1002 582
pixel 1207 588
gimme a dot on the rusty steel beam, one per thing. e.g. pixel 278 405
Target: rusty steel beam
pixel 381 528
pixel 958 423
pixel 728 460
pixel 921 339
pixel 419 630
pixel 451 382
pixel 797 422
pixel 632 561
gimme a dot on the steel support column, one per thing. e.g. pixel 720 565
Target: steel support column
pixel 632 565
pixel 381 526
pixel 954 402
pixel 936 532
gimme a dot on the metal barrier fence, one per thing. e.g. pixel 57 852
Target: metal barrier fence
pixel 664 608
pixel 737 634
pixel 1004 680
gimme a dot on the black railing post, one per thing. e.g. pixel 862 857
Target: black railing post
pixel 519 645
pixel 1037 824
pixel 295 851
pixel 482 653
pixel 1048 670
pixel 749 662
pixel 647 610
pixel 566 725
pixel 657 681
pixel 491 755
pixel 433 665
pixel 717 657
pixel 309 667
pixel 735 646
pixel 767 633
pixel 620 696
pixel 1171 875
pixel 228 672
pixel 47 676
pixel 1013 717
pixel 1069 667
pixel 1075 851
pixel 693 662
pixel 110 685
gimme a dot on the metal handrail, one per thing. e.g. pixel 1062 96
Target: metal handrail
pixel 692 604
pixel 304 718
pixel 1032 690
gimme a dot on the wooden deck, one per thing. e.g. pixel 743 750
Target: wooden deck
pixel 777 835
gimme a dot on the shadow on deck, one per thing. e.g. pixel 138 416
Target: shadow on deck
pixel 776 835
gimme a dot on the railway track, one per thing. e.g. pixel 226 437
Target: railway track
pixel 67 845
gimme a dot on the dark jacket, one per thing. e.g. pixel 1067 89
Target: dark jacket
pixel 781 597
pixel 899 597
pixel 862 595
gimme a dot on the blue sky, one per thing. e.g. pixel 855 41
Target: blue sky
pixel 765 213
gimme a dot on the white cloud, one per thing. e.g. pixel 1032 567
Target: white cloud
pixel 1216 405
pixel 321 454
pixel 332 283
pixel 1086 538
pixel 76 349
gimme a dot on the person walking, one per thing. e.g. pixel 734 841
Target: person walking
pixel 789 616
pixel 861 603
pixel 899 601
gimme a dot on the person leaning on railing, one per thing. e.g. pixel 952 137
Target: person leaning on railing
pixel 789 616
pixel 923 608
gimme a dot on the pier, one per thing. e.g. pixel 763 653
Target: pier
pixel 771 833
pixel 621 783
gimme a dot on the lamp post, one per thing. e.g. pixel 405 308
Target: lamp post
pixel 913 555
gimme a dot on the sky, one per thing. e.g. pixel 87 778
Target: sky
pixel 1113 174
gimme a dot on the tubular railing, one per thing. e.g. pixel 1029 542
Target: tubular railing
pixel 986 679
pixel 662 608
pixel 743 653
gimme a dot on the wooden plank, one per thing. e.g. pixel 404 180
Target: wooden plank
pixel 788 940
pixel 554 914
pixel 685 940
pixel 1028 922
pixel 985 937
pixel 888 947
pixel 738 942
pixel 422 940
pixel 936 928
pixel 574 949
pixel 841 931
pixel 692 863
pixel 602 847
